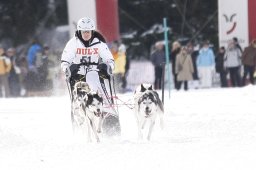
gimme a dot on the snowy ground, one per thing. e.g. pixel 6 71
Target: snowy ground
pixel 207 129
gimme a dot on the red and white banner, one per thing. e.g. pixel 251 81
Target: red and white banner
pixel 104 12
pixel 237 19
pixel 233 21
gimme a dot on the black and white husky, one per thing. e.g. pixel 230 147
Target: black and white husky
pixel 147 107
pixel 87 110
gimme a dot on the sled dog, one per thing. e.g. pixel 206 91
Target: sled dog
pixel 147 107
pixel 87 110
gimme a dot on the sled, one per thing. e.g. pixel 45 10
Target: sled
pixel 111 123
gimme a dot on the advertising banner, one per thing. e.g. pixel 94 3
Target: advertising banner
pixel 233 21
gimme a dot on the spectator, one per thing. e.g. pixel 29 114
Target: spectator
pixel 233 62
pixel 184 68
pixel 175 51
pixel 42 68
pixel 219 66
pixel 235 40
pixel 14 81
pixel 249 62
pixel 32 53
pixel 32 79
pixel 158 59
pixel 193 52
pixel 23 65
pixel 119 70
pixel 205 64
pixel 5 67
pixel 113 47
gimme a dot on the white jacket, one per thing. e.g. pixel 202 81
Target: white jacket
pixel 97 52
pixel 232 58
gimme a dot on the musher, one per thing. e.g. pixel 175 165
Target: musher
pixel 86 57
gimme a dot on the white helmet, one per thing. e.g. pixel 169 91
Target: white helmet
pixel 85 24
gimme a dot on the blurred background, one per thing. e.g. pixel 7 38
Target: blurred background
pixel 136 24
pixel 140 21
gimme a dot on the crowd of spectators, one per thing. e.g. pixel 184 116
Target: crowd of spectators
pixel 198 64
pixel 194 65
pixel 21 75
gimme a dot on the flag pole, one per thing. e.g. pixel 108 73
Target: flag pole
pixel 167 55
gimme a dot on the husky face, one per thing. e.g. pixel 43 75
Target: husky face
pixel 147 104
pixel 143 87
pixel 94 103
pixel 80 93
pixel 80 90
pixel 147 107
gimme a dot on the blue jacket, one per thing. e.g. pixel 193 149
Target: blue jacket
pixel 32 54
pixel 205 58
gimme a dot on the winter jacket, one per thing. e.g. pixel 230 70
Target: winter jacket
pixel 157 58
pixel 184 67
pixel 5 65
pixel 249 56
pixel 76 52
pixel 205 58
pixel 120 62
pixel 173 56
pixel 115 55
pixel 219 60
pixel 31 58
pixel 232 57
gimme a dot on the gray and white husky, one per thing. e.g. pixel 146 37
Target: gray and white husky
pixel 147 107
pixel 87 112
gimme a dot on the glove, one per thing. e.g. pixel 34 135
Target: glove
pixel 104 70
pixel 72 70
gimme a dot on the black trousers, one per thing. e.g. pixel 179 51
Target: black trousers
pixel 248 70
pixel 223 78
pixel 235 76
pixel 158 77
pixel 179 83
